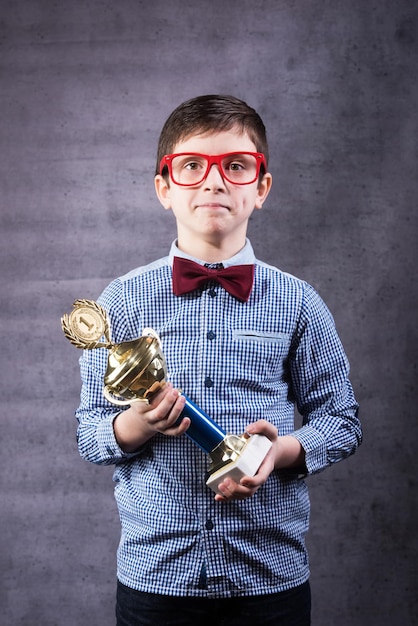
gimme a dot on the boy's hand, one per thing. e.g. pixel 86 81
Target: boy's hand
pixel 142 421
pixel 285 452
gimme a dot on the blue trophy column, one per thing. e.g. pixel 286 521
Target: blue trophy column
pixel 203 431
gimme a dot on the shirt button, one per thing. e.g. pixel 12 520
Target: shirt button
pixel 209 525
pixel 211 335
pixel 212 293
pixel 208 382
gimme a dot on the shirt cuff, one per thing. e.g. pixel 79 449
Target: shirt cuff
pixel 109 449
pixel 315 448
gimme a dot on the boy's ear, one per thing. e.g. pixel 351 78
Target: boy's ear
pixel 263 190
pixel 162 189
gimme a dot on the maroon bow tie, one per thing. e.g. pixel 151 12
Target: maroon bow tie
pixel 188 276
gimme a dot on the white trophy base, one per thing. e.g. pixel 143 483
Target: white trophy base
pixel 246 464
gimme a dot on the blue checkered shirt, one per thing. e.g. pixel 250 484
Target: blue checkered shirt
pixel 240 362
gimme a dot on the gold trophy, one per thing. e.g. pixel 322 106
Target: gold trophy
pixel 137 369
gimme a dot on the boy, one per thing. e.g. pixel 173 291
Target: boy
pixel 245 359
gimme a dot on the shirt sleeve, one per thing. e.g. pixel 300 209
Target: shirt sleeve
pixel 324 396
pixel 95 435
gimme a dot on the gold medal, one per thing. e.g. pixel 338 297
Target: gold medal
pixel 86 325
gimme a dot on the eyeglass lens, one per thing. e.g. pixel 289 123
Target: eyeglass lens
pixel 191 169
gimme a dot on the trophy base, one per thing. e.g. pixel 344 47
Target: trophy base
pixel 247 463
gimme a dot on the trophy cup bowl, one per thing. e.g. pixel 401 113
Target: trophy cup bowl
pixel 137 369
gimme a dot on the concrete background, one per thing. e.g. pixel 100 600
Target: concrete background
pixel 85 88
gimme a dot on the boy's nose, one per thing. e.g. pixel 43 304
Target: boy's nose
pixel 214 177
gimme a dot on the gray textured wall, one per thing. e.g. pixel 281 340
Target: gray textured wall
pixel 85 88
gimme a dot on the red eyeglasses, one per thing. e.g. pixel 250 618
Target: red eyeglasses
pixel 188 169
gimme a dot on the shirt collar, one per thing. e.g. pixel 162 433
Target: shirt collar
pixel 244 257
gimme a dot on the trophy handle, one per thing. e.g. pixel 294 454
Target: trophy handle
pixel 150 332
pixel 120 402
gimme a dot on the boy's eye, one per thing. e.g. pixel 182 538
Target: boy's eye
pixel 190 163
pixel 236 165
pixel 193 165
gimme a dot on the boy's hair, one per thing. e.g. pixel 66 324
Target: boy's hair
pixel 211 113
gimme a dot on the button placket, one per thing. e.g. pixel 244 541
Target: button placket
pixel 211 324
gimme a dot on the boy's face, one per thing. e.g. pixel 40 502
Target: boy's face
pixel 215 212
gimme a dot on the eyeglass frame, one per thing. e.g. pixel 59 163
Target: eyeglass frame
pixel 212 159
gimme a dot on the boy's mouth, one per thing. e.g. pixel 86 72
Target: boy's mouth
pixel 214 206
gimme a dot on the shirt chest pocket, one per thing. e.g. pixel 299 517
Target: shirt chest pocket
pixel 260 354
pixel 260 336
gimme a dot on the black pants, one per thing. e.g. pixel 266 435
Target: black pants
pixel 288 608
